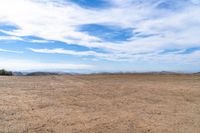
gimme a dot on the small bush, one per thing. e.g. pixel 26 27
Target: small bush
pixel 5 73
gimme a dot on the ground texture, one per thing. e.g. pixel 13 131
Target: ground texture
pixel 100 104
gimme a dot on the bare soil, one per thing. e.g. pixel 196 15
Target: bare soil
pixel 137 103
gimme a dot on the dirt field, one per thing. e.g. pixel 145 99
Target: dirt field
pixel 100 104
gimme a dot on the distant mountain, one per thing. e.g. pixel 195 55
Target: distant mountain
pixel 9 73
pixel 198 73
pixel 164 72
pixel 41 74
pixel 18 74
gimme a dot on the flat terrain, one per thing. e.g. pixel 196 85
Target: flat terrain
pixel 139 103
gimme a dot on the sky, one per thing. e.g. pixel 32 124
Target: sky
pixel 100 35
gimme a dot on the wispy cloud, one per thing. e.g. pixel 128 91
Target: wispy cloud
pixel 11 51
pixel 53 20
pixel 10 38
pixel 67 52
pixel 173 56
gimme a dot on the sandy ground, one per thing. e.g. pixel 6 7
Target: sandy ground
pixel 100 104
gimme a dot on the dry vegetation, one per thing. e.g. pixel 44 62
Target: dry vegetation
pixel 100 104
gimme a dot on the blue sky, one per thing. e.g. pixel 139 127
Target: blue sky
pixel 100 35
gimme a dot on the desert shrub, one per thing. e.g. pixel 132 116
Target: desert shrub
pixel 5 73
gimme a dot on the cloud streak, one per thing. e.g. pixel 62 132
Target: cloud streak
pixel 11 51
pixel 176 56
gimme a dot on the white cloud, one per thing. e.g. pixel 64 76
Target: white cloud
pixel 67 52
pixel 10 38
pixel 58 20
pixel 11 51
pixel 171 57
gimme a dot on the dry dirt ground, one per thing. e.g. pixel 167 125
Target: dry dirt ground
pixel 100 104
